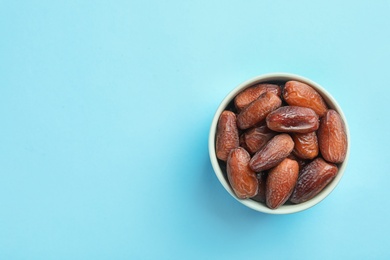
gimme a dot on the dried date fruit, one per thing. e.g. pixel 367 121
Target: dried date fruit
pixel 281 182
pixel 296 93
pixel 241 178
pixel 306 145
pixel 332 137
pixel 301 162
pixel 277 149
pixel 227 134
pixel 312 179
pixel 293 119
pixel 256 111
pixel 262 179
pixel 250 94
pixel 256 138
pixel 242 142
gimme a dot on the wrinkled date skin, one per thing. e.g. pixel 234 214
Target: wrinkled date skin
pixel 277 149
pixel 256 111
pixel 293 119
pixel 300 94
pixel 250 94
pixel 242 179
pixel 227 135
pixel 312 179
pixel 256 138
pixel 262 179
pixel 281 182
pixel 332 137
pixel 306 145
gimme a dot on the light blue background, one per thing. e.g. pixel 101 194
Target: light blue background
pixel 105 108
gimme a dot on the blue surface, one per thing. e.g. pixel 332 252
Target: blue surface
pixel 105 109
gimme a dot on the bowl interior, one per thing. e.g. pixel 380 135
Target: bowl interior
pixel 220 168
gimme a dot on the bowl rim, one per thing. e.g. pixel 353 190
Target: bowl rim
pixel 284 209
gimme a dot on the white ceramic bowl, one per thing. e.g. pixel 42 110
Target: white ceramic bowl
pixel 221 173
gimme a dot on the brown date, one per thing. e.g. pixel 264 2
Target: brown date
pixel 241 178
pixel 262 179
pixel 301 162
pixel 281 182
pixel 256 111
pixel 256 138
pixel 306 145
pixel 270 155
pixel 293 119
pixel 227 134
pixel 296 93
pixel 242 142
pixel 332 137
pixel 312 179
pixel 250 94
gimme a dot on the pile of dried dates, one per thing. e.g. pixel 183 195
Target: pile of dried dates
pixel 280 142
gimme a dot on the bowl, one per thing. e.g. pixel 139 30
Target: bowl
pixel 220 170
